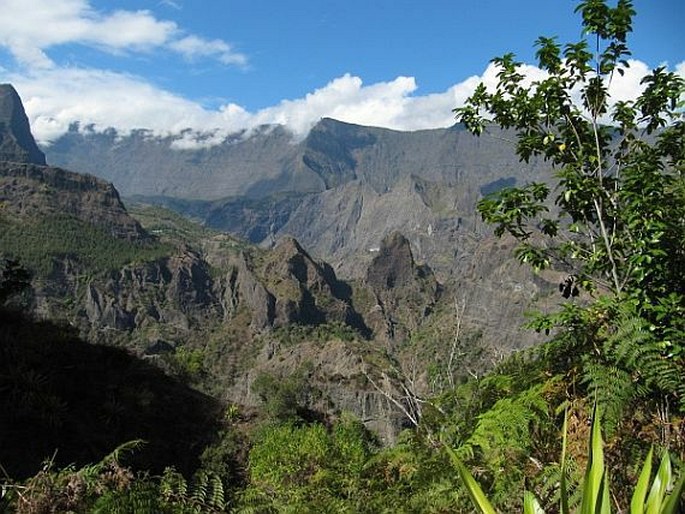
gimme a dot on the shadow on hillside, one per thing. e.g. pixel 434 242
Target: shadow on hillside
pixel 64 397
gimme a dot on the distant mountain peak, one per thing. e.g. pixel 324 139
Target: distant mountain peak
pixel 16 141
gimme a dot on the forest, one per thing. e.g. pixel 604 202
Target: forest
pixel 591 420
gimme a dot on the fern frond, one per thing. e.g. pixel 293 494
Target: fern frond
pixel 217 499
pixel 200 488
pixel 613 389
pixel 635 347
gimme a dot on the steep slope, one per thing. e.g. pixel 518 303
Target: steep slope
pixel 29 190
pixel 223 313
pixel 255 164
pixel 367 183
pixel 198 304
pixel 16 141
pixel 77 402
pixel 340 191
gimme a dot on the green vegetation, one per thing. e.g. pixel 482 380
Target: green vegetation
pixel 525 437
pixel 38 242
pixel 293 334
pixel 616 226
pixel 595 491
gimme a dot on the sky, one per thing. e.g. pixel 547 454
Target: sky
pixel 228 65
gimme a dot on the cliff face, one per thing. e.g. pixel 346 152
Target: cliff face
pixel 16 141
pixel 405 293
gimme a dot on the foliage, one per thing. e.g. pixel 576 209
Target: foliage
pixel 294 333
pixel 284 398
pixel 108 487
pixel 69 489
pixel 308 468
pixel 188 364
pixel 612 218
pixel 38 242
pixel 618 219
pixel 664 495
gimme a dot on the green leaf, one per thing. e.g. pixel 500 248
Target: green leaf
pixel 592 484
pixel 531 504
pixel 659 486
pixel 564 490
pixel 604 506
pixel 673 502
pixel 637 504
pixel 476 494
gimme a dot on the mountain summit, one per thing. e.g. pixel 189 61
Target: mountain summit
pixel 16 142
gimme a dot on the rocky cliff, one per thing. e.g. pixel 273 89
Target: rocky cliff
pixel 16 141
pixel 29 190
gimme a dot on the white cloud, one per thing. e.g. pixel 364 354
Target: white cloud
pixel 192 47
pixel 171 3
pixel 680 69
pixel 57 97
pixel 29 29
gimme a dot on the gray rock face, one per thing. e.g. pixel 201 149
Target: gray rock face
pixel 16 141
pixel 340 192
pixel 405 293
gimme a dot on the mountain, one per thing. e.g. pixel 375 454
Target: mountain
pixel 247 324
pixel 16 141
pixel 340 192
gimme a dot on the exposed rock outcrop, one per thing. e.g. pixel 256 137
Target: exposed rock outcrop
pixel 405 292
pixel 16 141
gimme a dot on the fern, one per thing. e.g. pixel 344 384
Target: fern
pixel 199 493
pixel 216 498
pixel 612 388
pixel 633 345
pixel 141 498
pixel 506 430
pixel 205 495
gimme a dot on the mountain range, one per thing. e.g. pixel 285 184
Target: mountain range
pixel 413 278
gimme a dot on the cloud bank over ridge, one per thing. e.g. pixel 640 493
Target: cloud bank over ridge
pixel 58 97
pixel 58 94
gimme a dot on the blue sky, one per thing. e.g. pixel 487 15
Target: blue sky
pixel 228 64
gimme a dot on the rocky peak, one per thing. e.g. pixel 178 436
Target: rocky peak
pixel 405 292
pixel 295 262
pixel 306 291
pixel 394 265
pixel 16 141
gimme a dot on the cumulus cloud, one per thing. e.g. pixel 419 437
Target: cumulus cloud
pixel 29 29
pixel 56 98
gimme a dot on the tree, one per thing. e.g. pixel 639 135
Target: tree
pixel 14 279
pixel 614 216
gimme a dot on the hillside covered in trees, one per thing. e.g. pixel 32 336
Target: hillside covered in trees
pixel 371 395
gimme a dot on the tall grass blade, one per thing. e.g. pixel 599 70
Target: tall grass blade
pixel 637 503
pixel 475 492
pixel 659 486
pixel 595 467
pixel 604 506
pixel 673 503
pixel 531 504
pixel 562 485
